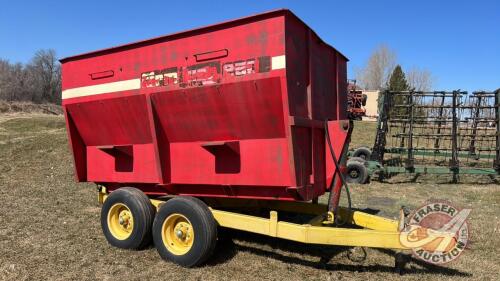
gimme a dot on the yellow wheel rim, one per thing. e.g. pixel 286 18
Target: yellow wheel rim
pixel 177 234
pixel 120 221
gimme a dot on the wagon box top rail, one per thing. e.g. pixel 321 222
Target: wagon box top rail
pixel 194 31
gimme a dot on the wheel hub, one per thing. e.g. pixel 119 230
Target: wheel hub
pixel 124 219
pixel 182 230
pixel 353 174
pixel 177 234
pixel 120 221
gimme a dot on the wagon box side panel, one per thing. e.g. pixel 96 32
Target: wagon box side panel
pixel 158 103
pixel 236 104
pixel 181 59
pixel 314 70
pixel 227 134
pixel 116 139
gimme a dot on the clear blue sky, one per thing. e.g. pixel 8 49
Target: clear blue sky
pixel 458 41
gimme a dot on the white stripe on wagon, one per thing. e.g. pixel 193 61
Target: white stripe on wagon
pixel 277 62
pixel 132 84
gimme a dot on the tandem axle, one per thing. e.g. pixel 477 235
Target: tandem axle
pixel 184 229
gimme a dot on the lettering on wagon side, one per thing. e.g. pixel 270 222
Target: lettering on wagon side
pixel 201 74
pixel 206 73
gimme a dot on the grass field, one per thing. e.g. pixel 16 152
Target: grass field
pixel 50 230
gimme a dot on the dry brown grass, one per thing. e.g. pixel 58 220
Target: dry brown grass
pixel 28 107
pixel 50 226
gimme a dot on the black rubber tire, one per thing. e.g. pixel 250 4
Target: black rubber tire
pixel 204 227
pixel 356 159
pixel 362 152
pixel 143 214
pixel 356 173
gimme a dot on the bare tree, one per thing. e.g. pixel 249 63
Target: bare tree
pixel 376 73
pixel 12 77
pixel 4 71
pixel 44 75
pixel 419 79
pixel 37 81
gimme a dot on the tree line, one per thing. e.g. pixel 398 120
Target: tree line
pixel 382 64
pixel 38 81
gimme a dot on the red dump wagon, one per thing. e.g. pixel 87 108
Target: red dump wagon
pixel 215 118
pixel 235 109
